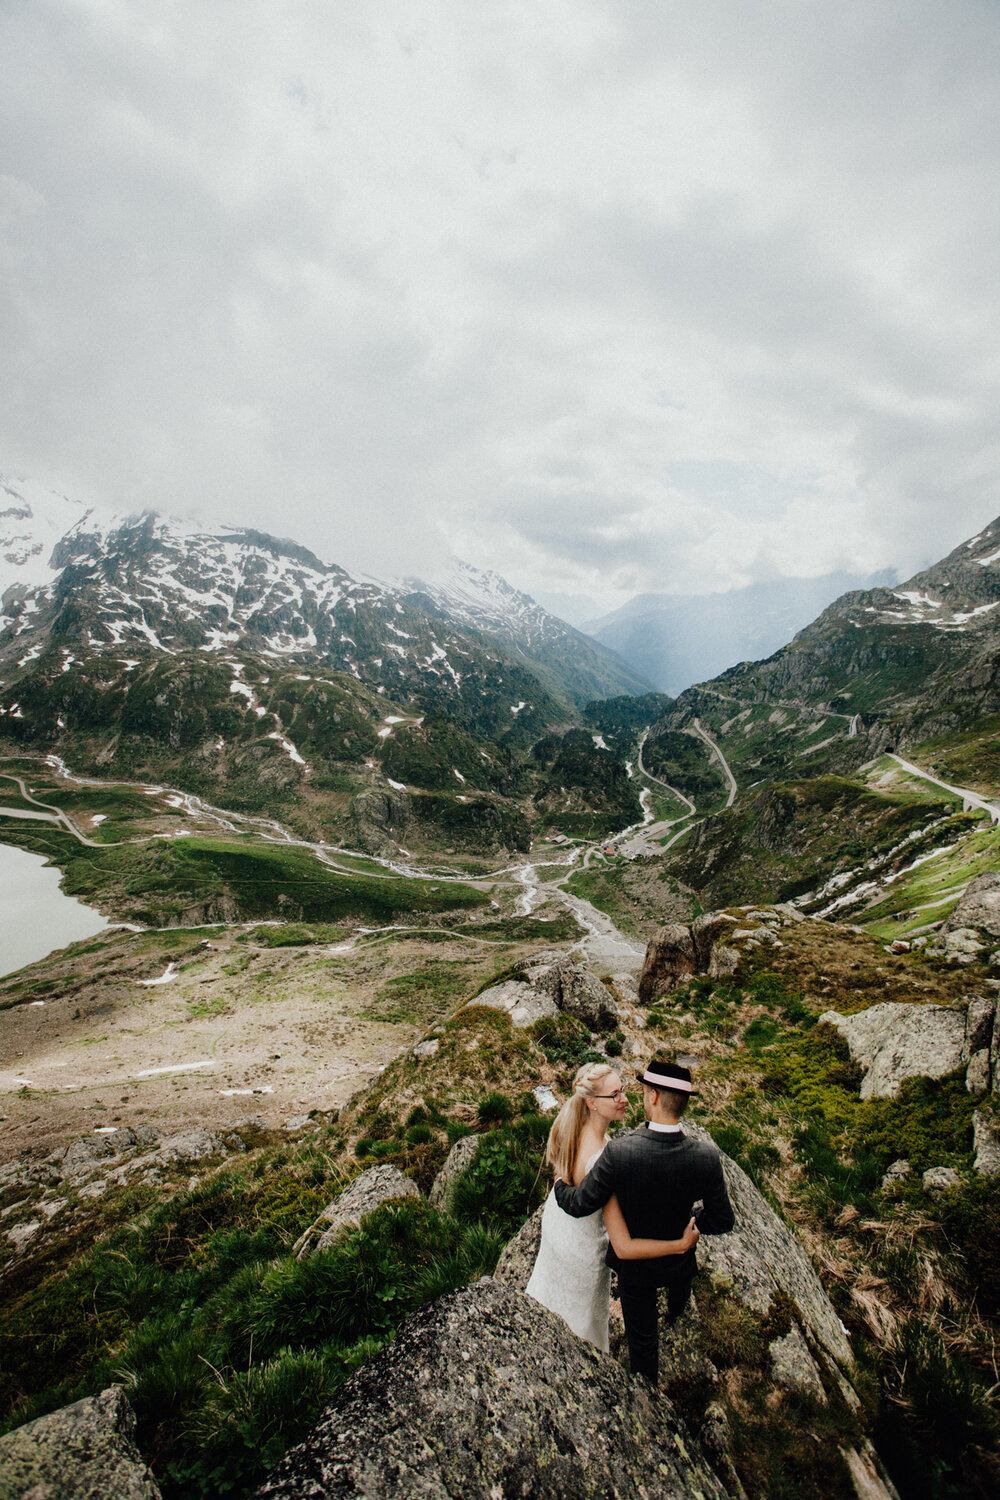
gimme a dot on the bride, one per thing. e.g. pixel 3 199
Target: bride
pixel 570 1276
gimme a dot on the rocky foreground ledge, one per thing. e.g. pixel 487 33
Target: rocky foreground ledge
pixel 485 1393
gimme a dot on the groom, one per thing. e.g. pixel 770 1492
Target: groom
pixel 658 1174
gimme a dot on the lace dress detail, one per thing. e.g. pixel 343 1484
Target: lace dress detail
pixel 570 1277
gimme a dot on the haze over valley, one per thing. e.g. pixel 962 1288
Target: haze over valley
pixel 499 574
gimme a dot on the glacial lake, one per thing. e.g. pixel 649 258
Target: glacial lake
pixel 35 915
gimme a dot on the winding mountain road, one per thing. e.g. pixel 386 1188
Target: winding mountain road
pixel 973 799
pixel 723 762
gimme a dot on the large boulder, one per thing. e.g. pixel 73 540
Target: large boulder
pixel 978 907
pixel 670 958
pixel 579 993
pixel 362 1196
pixel 895 1041
pixel 85 1451
pixel 762 1256
pixel 522 1002
pixel 485 1393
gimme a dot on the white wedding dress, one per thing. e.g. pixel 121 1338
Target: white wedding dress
pixel 570 1277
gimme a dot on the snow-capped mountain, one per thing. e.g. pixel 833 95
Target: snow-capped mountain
pixel 32 521
pixel 564 658
pixel 79 583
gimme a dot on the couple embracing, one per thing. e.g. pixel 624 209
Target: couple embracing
pixel 626 1205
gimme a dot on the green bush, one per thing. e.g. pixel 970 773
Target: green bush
pixel 504 1184
pixel 418 1135
pixel 494 1109
pixel 564 1039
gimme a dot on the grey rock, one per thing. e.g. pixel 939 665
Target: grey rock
pixel 428 1048
pixel 871 1482
pixel 723 962
pixel 522 1002
pixel 297 1122
pixel 977 1074
pixel 86 1451
pixel 683 1356
pixel 189 1145
pixel 486 1393
pixel 86 1155
pixel 706 931
pixel 986 1143
pixel 938 1180
pixel 786 909
pixel 362 1196
pixel 22 1234
pixel 249 1124
pixel 979 1020
pixel 579 993
pixel 978 907
pixel 894 1041
pixel 762 1256
pixel 517 1259
pixel 670 959
pixel 960 945
pixel 95 1189
pixel 145 1135
pixel 896 1175
pixel 794 1366
pixel 717 1441
pixel 459 1158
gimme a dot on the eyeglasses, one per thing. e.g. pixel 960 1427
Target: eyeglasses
pixel 615 1096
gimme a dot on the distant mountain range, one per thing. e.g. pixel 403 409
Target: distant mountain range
pixel 676 639
pixel 242 666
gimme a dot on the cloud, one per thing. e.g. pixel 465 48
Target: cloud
pixel 613 297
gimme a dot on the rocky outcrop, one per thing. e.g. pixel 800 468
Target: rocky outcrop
pixel 459 1159
pixel 676 952
pixel 549 989
pixel 986 1143
pixel 579 993
pixel 360 1197
pixel 670 959
pixel 978 907
pixel 763 1257
pixel 86 1451
pixel 485 1393
pixel 894 1041
pixel 521 1001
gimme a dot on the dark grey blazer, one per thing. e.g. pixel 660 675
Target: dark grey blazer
pixel 658 1177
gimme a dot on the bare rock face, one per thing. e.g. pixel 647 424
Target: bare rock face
pixel 670 959
pixel 459 1158
pixel 360 1197
pixel 895 1041
pixel 978 907
pixel 82 1452
pixel 986 1143
pixel 485 1393
pixel 549 989
pixel 763 1256
pixel 579 993
pixel 522 1002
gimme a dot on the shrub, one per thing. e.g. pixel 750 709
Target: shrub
pixel 494 1109
pixel 418 1135
pixel 564 1039
pixel 504 1183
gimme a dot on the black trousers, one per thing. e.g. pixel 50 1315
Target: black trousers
pixel 640 1309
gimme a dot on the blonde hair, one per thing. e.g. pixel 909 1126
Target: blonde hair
pixel 567 1127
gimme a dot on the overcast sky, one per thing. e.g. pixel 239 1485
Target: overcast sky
pixel 614 296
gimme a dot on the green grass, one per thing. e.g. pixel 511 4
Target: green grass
pixel 929 893
pixel 155 882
